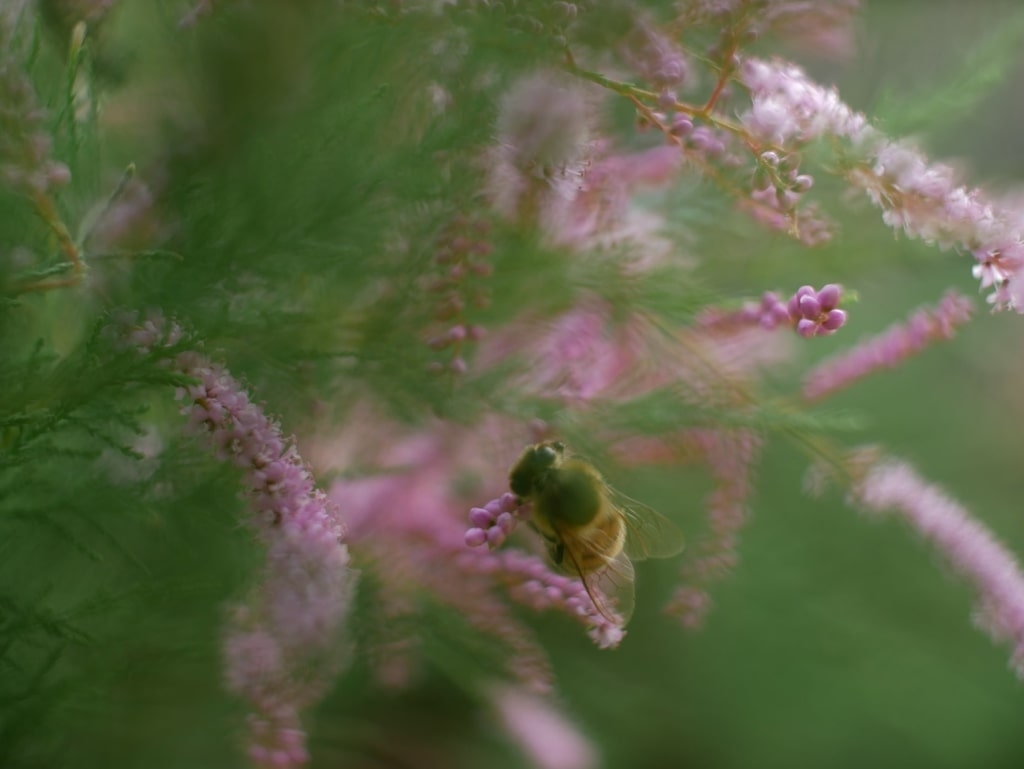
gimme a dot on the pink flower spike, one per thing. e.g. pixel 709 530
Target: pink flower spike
pixel 971 548
pixel 282 647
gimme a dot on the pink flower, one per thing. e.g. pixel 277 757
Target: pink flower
pixel 815 312
pixel 810 312
pixel 283 646
pixel 971 549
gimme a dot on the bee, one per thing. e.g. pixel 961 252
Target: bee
pixel 590 529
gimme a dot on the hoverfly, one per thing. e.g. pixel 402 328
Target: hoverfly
pixel 590 529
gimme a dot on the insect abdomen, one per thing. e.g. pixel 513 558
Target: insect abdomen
pixel 603 541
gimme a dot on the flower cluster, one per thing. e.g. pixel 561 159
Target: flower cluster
pixel 492 523
pixel 809 312
pixel 889 485
pixel 922 199
pixel 283 646
pixel 533 584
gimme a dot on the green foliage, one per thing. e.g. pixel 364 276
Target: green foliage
pixel 984 68
pixel 303 175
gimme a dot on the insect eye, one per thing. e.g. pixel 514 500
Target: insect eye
pixel 558 446
pixel 546 453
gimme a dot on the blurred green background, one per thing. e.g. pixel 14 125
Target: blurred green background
pixel 837 642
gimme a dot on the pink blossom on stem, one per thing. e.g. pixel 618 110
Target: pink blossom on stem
pixel 921 199
pixel 788 108
pixel 972 550
pixel 283 646
pixel 890 348
pixel 769 313
pixel 815 312
pixel 809 312
pixel 531 583
pixel 807 223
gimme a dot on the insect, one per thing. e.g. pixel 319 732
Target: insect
pixel 590 529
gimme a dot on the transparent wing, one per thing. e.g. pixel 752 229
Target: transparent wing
pixel 610 587
pixel 615 584
pixel 649 534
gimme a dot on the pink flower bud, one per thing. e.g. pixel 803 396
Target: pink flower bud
pixel 476 537
pixel 682 125
pixel 829 296
pixel 835 320
pixel 495 536
pixel 803 183
pixel 480 517
pixel 809 306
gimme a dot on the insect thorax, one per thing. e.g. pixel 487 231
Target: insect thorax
pixel 570 495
